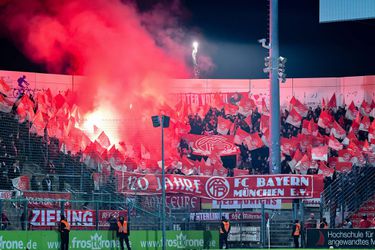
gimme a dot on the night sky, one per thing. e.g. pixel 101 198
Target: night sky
pixel 230 30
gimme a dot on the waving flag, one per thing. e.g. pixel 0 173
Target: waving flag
pixel 5 104
pixel 299 107
pixel 294 118
pixel 296 158
pixel 253 141
pixel 288 145
pixel 240 136
pixel 231 109
pixel 326 171
pixel 223 125
pixel 245 106
pixel 332 102
pixel 264 123
pixel 352 112
pixel 338 131
pixel 103 140
pixel 320 153
pixel 365 108
pixel 265 110
pixel 365 123
pixel 334 143
pixel 325 120
pixel 4 87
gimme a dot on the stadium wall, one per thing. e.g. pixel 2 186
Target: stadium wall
pixel 310 91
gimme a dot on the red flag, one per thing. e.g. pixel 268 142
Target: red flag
pixel 352 112
pixel 325 120
pixel 326 171
pixel 223 125
pixel 230 109
pixel 299 107
pixel 5 104
pixel 265 110
pixel 372 104
pixel 264 122
pixel 338 131
pixel 296 158
pixel 59 101
pixel 25 109
pixel 240 172
pixel 334 143
pixel 294 118
pixel 204 169
pixel 103 140
pixel 365 108
pixel 352 137
pixel 365 123
pixel 219 170
pixel 344 166
pixel 332 102
pixel 371 131
pixel 320 153
pixel 323 103
pixel 304 141
pixel 240 136
pixel 345 155
pixel 253 141
pixel 38 124
pixel 4 87
pixel 288 145
pixel 305 127
pixel 246 105
pixel 303 165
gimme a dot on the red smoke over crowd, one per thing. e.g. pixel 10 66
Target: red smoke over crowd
pixel 128 56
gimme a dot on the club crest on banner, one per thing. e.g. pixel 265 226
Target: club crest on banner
pixel 217 187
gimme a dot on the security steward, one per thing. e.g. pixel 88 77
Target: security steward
pixel 64 229
pixel 296 232
pixel 224 231
pixel 123 232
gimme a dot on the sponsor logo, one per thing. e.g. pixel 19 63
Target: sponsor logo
pixel 217 187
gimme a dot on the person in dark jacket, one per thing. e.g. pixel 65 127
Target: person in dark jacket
pixel 224 232
pixel 112 226
pixel 123 232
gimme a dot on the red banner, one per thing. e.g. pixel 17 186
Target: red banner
pixel 230 188
pixel 77 218
pixel 205 145
pixel 46 200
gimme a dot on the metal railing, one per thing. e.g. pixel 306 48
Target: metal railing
pixel 345 195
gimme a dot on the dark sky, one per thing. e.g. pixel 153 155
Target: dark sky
pixel 231 28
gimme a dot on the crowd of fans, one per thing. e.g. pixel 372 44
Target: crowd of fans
pixel 19 144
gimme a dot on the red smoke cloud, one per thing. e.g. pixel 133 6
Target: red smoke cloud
pixel 127 56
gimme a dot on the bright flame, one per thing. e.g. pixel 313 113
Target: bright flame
pixel 105 119
pixel 195 45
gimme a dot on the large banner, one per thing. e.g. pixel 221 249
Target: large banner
pixel 341 238
pixel 205 144
pixel 47 200
pixel 104 240
pixel 229 188
pixel 45 218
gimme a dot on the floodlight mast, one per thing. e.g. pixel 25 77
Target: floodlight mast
pixel 275 151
